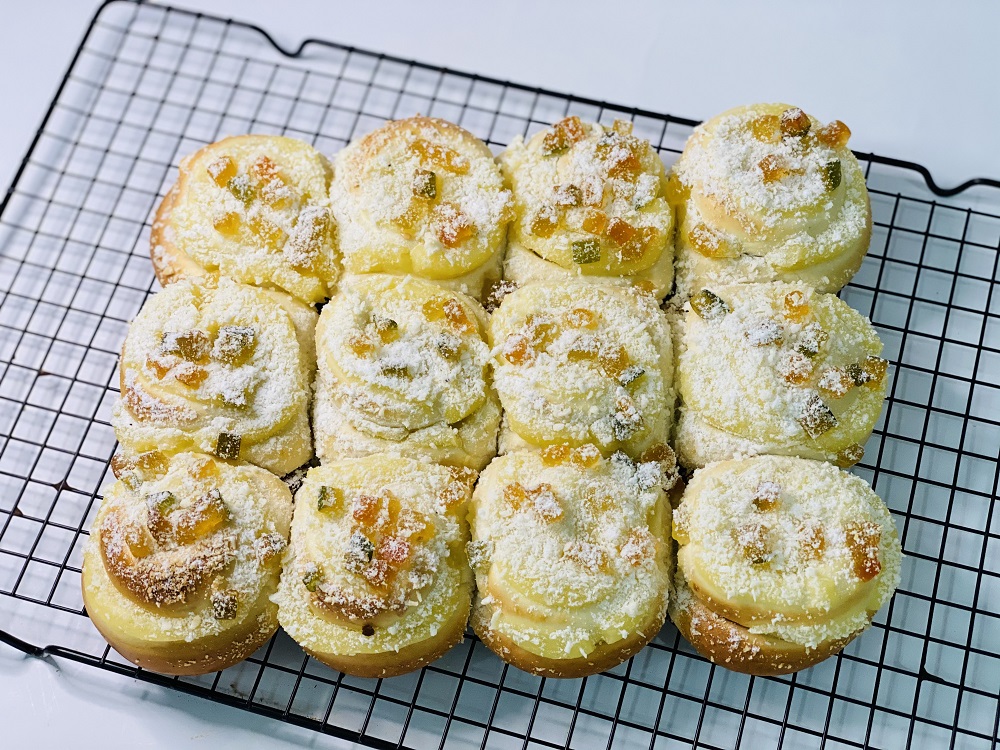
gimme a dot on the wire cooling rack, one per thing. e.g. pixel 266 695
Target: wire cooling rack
pixel 150 84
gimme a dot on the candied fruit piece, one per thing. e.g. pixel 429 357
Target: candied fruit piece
pixel 772 169
pixel 592 191
pixel 794 122
pixel 815 417
pixel 393 550
pixel 631 374
pixel 190 375
pixel 585 456
pixel 832 174
pixel 307 238
pixel 263 170
pixel 850 455
pixel 639 547
pixel 795 368
pixel 586 251
pixel 270 234
pixel 424 184
pixel 203 467
pixel 515 495
pixel 517 349
pixel 268 547
pixel 440 156
pixel 140 542
pixel 386 328
pixel 811 340
pixel 563 134
pixel 158 366
pixel 767 496
pixel 312 576
pixel 222 170
pixel 766 128
pixel 242 190
pixel 754 541
pixel 227 446
pixel 451 225
pixel 622 127
pixel 588 555
pixel 796 306
pixel 583 349
pixel 863 541
pixel 225 604
pixel 543 499
pixel 194 345
pixel 835 382
pixel 619 156
pixel 276 193
pixel 201 518
pixel 659 452
pixel 581 317
pixel 360 345
pixel 376 573
pixel 712 243
pixel 234 345
pixel 359 553
pixel 709 306
pixel 621 232
pixel 594 221
pixel 873 370
pixel 635 248
pixel 496 292
pixel 329 497
pixel 449 346
pixel 614 360
pixel 834 134
pixel 545 222
pixel 365 508
pixel 395 370
pixel 227 223
pixel 450 310
pixel 408 220
pixel 565 196
pixel 554 455
pixel 764 332
pixel 627 420
pixel 812 541
pixel 158 507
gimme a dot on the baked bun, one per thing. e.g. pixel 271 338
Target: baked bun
pixel 571 560
pixel 254 208
pixel 403 368
pixel 377 582
pixel 219 367
pixel 776 368
pixel 767 193
pixel 422 196
pixel 781 562
pixel 589 201
pixel 580 363
pixel 182 561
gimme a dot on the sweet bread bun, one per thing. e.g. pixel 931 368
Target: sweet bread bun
pixel 767 193
pixel 403 369
pixel 219 367
pixel 589 201
pixel 781 562
pixel 571 560
pixel 776 368
pixel 254 208
pixel 377 582
pixel 182 561
pixel 422 196
pixel 578 363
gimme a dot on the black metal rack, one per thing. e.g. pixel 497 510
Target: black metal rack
pixel 149 84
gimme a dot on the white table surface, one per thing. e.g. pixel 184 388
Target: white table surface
pixel 913 80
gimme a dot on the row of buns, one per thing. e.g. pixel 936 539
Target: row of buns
pixel 475 306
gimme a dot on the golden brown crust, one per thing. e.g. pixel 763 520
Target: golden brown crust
pixel 601 659
pixel 170 263
pixel 407 659
pixel 732 646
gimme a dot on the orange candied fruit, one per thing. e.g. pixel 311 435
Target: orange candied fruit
pixel 440 156
pixel 546 222
pixel 796 306
pixel 227 223
pixel 554 455
pixel 567 196
pixel 585 456
pixel 863 541
pixel 517 349
pixel 563 134
pixel 393 550
pixel 711 243
pixel 594 221
pixel 812 541
pixel 201 518
pixel 835 382
pixel 794 122
pixel 515 495
pixel 451 310
pixel 835 134
pixel 772 169
pixel 140 542
pixel 222 170
pixel 766 128
pixel 409 219
pixel 754 542
pixel 263 169
pixel 158 366
pixel 767 496
pixel 360 345
pixel 452 226
pixel 581 317
pixel 796 368
pixel 191 375
pixel 614 360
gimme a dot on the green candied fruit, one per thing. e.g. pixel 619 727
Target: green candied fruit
pixel 242 190
pixel 161 502
pixel 425 184
pixel 631 374
pixel 709 306
pixel 228 445
pixel 360 552
pixel 832 174
pixel 234 345
pixel 811 340
pixel 816 417
pixel 312 577
pixel 225 604
pixel 328 497
pixel 449 346
pixel 586 251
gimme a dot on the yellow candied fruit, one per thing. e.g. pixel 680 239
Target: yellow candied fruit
pixel 645 286
pixel 619 157
pixel 451 310
pixel 592 191
pixel 594 221
pixel 835 382
pixel 555 455
pixel 234 345
pixel 222 170
pixel 640 546
pixel 158 366
pixel 766 128
pixel 310 233
pixel 767 496
pixel 158 506
pixel 614 360
pixel 863 541
pixel 795 368
pixel 140 542
pixel 585 456
pixel 850 456
pixel 451 225
pixel 440 156
pixel 192 345
pixel 812 541
pixel 515 495
pixel 835 134
pixel 563 134
pixel 622 127
pixel 190 375
pixel 567 196
pixel 328 498
pixel 409 219
pixel 201 518
pixel 546 222
pixel 148 462
pixel 424 184
pixel 517 350
pixel 874 369
pixel 204 467
pixel 386 328
pixel 270 234
pixel 711 243
pixel 581 317
pixel 583 350
pixel 753 539
pixel 543 499
pixel 227 223
pixel 360 345
pixel 796 306
pixel 772 169
pixel 794 122
pixel 659 452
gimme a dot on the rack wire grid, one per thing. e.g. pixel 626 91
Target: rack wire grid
pixel 150 84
